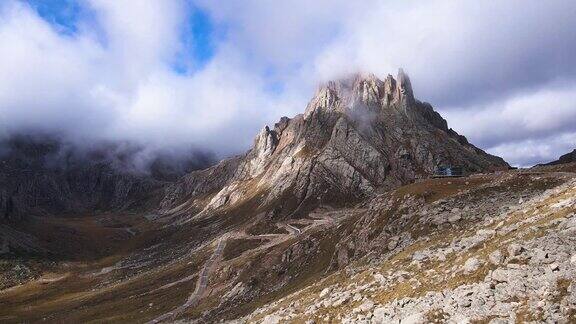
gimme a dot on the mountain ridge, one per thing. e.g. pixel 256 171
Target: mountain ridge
pixel 564 159
pixel 358 134
pixel 45 175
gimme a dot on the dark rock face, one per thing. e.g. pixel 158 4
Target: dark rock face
pixel 357 135
pixel 198 183
pixel 564 159
pixel 43 176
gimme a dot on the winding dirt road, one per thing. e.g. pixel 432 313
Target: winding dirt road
pixel 212 262
pixel 201 284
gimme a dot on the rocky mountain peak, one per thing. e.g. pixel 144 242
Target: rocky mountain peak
pixel 358 135
pixel 404 87
pixel 362 91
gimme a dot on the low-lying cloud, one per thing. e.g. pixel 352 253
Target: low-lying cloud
pixel 503 73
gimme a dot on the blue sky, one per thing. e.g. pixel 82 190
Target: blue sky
pixel 199 37
pixel 63 14
pixel 198 33
pixel 202 31
pixel 210 74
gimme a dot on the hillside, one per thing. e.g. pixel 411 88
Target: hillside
pixel 564 159
pixel 496 249
pixel 471 237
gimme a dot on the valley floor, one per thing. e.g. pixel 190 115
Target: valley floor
pixel 497 248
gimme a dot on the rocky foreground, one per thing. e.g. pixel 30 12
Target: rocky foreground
pixel 502 252
pixel 485 248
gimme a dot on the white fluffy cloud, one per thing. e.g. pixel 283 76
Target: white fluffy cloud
pixel 528 128
pixel 532 151
pixel 114 80
pixel 503 73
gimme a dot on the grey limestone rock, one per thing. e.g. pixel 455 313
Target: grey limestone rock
pixel 357 135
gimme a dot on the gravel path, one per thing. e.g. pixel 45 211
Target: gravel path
pixel 201 284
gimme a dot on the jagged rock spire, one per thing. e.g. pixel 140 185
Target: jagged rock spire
pixel 404 87
pixel 362 90
pixel 368 89
pixel 326 98
pixel 264 145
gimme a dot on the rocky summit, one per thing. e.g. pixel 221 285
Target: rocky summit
pixel 357 136
pixel 343 214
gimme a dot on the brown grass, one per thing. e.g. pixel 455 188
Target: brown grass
pixel 75 294
pixel 437 316
pixel 435 189
pixel 265 227
pixel 234 248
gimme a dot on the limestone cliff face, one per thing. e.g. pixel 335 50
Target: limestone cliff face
pixel 356 136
